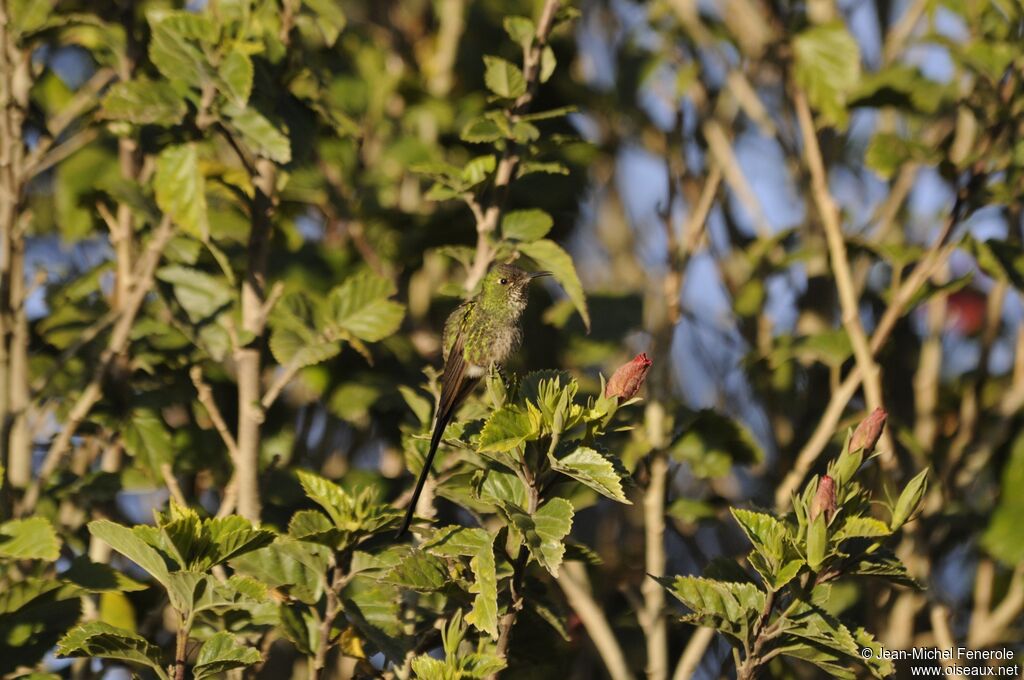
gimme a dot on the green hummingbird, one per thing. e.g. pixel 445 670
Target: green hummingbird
pixel 482 332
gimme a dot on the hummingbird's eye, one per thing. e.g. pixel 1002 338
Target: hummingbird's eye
pixel 503 282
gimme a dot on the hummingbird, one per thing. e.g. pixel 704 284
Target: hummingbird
pixel 481 332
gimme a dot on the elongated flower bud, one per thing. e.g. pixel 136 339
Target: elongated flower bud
pixel 628 378
pixel 824 500
pixel 869 431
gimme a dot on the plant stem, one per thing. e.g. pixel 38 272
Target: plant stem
pixel 180 647
pixel 330 614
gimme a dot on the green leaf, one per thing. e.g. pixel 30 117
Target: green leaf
pixel 201 296
pixel 128 543
pixel 220 654
pixel 520 29
pixel 506 429
pixel 97 639
pixel 999 259
pixel 235 74
pixel 1004 536
pixel 477 170
pixel 547 63
pixel 545 531
pixel 29 539
pixel 530 167
pixel 96 577
pixel 144 102
pixel 418 570
pixel 827 68
pixel 526 225
pixel 329 496
pixel 295 566
pixel 483 129
pixel 27 16
pixel 503 78
pixel 478 545
pixel 909 499
pixel 262 136
pixel 775 556
pixel 173 49
pixel 330 18
pixel 594 469
pixel 862 527
pixel 147 440
pixel 295 337
pixel 361 306
pixel 549 255
pixel 729 607
pixel 882 563
pixel 181 188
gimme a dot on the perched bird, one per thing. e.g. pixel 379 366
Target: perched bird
pixel 481 332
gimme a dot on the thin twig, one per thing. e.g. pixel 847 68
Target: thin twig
pixel 572 578
pixel 693 653
pixel 216 417
pixel 486 225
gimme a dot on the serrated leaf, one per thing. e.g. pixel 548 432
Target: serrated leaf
pixel 477 170
pixel 130 544
pixel 330 18
pixel 478 545
pixel 550 256
pixel 594 469
pixel 96 577
pixel 544 532
pixel 199 294
pixel 862 527
pixel 526 225
pixel 418 570
pixel 181 189
pixel 29 539
pixel 144 102
pixel 262 136
pixel 728 606
pixel 173 49
pixel 97 639
pixel 147 440
pixel 361 306
pixel 236 74
pixel 520 29
pixel 506 429
pixel 827 68
pixel 221 653
pixel 482 129
pixel 530 167
pixel 503 78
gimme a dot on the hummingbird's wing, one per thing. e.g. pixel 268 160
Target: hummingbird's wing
pixel 456 384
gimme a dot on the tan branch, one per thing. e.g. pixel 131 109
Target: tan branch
pixel 118 343
pixel 572 578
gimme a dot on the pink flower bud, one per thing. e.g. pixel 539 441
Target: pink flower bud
pixel 824 499
pixel 868 432
pixel 628 378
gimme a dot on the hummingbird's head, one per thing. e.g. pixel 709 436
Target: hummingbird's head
pixel 507 287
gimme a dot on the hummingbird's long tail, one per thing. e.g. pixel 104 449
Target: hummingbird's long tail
pixel 435 440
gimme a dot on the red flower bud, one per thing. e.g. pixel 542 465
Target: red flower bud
pixel 868 432
pixel 628 378
pixel 824 499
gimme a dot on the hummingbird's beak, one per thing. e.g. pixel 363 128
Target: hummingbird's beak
pixel 537 275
